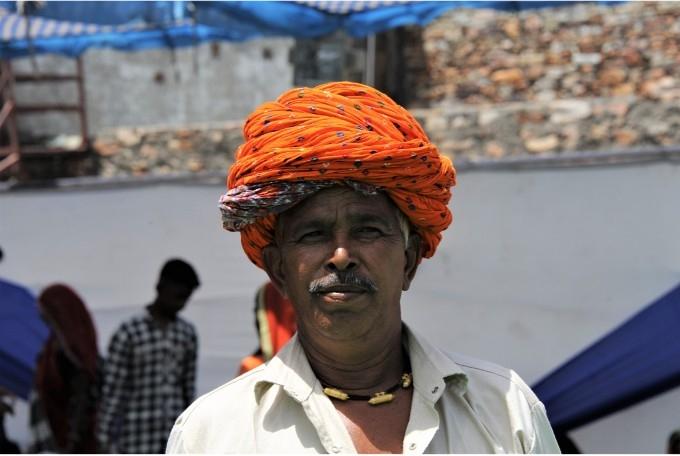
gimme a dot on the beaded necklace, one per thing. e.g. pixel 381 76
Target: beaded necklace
pixel 381 397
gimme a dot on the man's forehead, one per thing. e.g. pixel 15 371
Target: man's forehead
pixel 329 201
pixel 325 204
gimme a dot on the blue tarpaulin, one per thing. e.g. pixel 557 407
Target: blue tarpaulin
pixel 70 28
pixel 637 360
pixel 22 335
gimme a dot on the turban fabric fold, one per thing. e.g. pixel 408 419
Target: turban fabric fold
pixel 335 133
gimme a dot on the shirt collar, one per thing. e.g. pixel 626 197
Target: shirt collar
pixel 149 317
pixel 290 370
pixel 433 371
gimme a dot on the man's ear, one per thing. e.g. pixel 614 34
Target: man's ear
pixel 273 266
pixel 413 256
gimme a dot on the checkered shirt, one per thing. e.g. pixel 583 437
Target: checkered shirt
pixel 148 382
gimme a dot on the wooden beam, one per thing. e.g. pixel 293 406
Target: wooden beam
pixel 34 150
pixel 6 111
pixel 82 104
pixel 7 150
pixel 46 77
pixel 39 108
pixel 9 161
pixel 5 78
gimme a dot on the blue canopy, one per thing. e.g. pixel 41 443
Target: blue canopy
pixel 637 360
pixel 69 28
pixel 22 335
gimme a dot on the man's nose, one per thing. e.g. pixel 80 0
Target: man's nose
pixel 341 260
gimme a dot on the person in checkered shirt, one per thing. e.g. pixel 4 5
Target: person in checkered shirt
pixel 151 369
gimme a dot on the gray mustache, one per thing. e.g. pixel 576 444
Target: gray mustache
pixel 340 278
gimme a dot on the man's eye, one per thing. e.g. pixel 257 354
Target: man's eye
pixel 310 236
pixel 369 231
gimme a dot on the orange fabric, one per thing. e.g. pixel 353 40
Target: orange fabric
pixel 344 131
pixel 280 319
pixel 249 363
pixel 276 324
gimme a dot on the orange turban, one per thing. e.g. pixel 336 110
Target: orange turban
pixel 335 133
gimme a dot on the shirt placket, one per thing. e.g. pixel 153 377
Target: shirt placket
pixel 424 421
pixel 329 427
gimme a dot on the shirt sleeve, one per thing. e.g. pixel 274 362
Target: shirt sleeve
pixel 189 381
pixel 175 442
pixel 116 379
pixel 544 438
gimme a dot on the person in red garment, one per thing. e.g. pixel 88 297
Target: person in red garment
pixel 64 411
pixel 275 324
pixel 339 194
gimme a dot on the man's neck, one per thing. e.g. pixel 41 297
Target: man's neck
pixel 158 315
pixel 358 368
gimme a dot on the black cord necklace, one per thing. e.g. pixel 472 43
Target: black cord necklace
pixel 378 398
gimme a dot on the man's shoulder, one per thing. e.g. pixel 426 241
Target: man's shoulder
pixel 186 325
pixel 500 399
pixel 477 366
pixel 482 373
pixel 212 404
pixel 219 418
pixel 133 322
pixel 480 376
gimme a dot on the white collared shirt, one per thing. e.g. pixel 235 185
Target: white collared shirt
pixel 459 405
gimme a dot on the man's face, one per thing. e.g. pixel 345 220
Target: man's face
pixel 340 258
pixel 172 296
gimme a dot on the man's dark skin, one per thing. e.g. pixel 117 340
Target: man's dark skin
pixel 171 297
pixel 352 335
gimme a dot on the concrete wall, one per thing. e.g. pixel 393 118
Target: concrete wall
pixel 213 82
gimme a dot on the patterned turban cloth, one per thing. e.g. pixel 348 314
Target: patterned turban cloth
pixel 336 133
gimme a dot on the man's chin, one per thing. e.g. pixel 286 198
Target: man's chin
pixel 344 324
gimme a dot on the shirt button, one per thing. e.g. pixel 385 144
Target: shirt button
pixel 435 389
pixel 335 449
pixel 412 446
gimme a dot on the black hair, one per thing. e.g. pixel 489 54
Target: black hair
pixel 179 271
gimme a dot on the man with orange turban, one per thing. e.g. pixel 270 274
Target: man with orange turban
pixel 338 195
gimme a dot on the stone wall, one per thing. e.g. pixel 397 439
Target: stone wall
pixel 572 51
pixel 569 125
pixel 142 151
pixel 573 78
pixel 462 132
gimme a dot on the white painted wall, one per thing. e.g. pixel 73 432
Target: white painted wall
pixel 537 265
pixel 121 87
